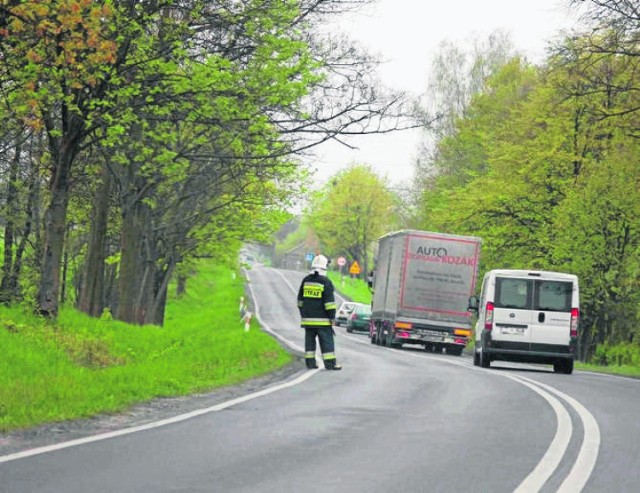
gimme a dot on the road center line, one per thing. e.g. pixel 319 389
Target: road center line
pixel 560 442
pixel 553 456
pixel 586 460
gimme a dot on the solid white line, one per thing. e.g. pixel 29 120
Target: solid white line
pixel 286 341
pixel 588 455
pixel 560 442
pixel 176 419
pixel 157 424
pixel 553 456
pixel 611 375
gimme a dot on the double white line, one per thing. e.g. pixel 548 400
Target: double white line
pixel 588 454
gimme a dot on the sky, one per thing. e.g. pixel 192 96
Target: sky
pixel 406 34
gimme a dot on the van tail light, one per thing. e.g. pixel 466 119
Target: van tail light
pixel 575 316
pixel 488 316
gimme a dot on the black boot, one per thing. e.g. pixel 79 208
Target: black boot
pixel 332 364
pixel 311 363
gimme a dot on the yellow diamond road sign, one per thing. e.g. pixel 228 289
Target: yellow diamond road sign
pixel 355 268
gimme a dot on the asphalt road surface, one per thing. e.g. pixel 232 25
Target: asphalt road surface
pixel 391 421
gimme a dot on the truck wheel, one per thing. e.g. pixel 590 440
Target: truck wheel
pixel 428 347
pixel 484 360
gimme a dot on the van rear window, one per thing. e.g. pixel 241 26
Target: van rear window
pixel 553 296
pixel 529 294
pixel 512 293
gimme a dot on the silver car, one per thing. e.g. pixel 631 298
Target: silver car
pixel 343 312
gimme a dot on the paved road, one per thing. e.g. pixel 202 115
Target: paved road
pixel 391 421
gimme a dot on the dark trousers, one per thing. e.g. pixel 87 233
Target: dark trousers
pixel 327 347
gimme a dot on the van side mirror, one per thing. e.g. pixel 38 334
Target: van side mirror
pixel 473 305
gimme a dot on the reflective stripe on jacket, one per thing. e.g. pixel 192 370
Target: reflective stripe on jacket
pixel 316 301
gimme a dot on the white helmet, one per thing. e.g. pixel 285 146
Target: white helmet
pixel 319 264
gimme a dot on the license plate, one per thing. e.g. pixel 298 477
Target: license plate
pixel 518 331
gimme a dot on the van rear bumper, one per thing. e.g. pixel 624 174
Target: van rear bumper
pixel 523 352
pixel 529 356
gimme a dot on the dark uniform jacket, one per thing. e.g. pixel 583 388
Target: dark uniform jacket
pixel 316 302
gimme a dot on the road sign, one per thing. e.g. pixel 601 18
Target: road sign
pixel 355 268
pixel 342 261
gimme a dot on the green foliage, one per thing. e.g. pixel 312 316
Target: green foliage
pixel 351 212
pixel 617 355
pixel 535 170
pixel 80 366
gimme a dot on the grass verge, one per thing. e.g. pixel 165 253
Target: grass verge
pixel 354 289
pixel 621 370
pixel 79 366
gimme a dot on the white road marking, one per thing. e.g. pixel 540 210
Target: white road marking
pixel 176 419
pixel 574 482
pixel 588 454
pixel 611 375
pixel 268 329
pixel 157 424
pixel 557 448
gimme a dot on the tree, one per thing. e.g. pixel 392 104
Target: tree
pixel 599 239
pixel 196 99
pixel 456 77
pixel 610 42
pixel 352 211
pixel 549 184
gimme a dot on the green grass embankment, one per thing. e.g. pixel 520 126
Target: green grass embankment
pixel 621 370
pixel 79 366
pixel 354 289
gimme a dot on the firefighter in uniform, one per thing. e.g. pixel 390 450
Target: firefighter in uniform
pixel 318 311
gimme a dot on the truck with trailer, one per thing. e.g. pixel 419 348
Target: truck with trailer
pixel 421 288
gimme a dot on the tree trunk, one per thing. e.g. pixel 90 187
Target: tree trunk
pixel 111 288
pixel 55 229
pixel 137 268
pixel 31 217
pixel 91 300
pixel 181 286
pixel 156 313
pixel 7 293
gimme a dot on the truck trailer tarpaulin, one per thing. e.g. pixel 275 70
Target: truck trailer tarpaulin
pixel 423 281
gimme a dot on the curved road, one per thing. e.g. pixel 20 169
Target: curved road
pixel 391 421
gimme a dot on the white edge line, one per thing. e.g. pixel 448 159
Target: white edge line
pixel 266 327
pixel 583 466
pixel 611 375
pixel 553 456
pixel 588 455
pixel 176 419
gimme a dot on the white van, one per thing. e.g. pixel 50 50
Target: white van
pixel 527 316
